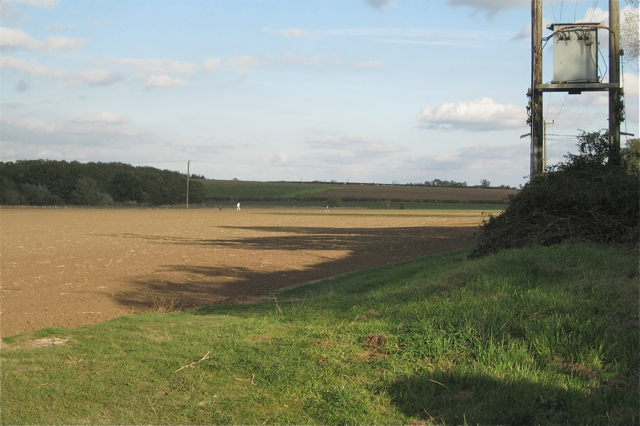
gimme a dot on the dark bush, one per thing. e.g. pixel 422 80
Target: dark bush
pixel 334 201
pixel 38 195
pixel 581 199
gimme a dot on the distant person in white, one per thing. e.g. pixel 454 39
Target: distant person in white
pixel 238 207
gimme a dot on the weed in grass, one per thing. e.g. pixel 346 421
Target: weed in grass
pixel 166 306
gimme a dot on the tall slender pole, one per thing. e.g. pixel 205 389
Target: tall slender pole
pixel 188 175
pixel 614 77
pixel 537 120
pixel 544 148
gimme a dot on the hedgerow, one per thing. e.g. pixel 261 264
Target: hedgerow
pixel 581 199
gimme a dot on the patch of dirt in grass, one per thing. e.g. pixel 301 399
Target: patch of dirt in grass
pixel 260 339
pixel 376 341
pixel 46 342
pixel 577 369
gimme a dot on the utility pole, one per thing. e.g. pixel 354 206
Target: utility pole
pixel 615 107
pixel 537 119
pixel 575 79
pixel 545 144
pixel 188 175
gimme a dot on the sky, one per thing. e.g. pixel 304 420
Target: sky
pixel 385 91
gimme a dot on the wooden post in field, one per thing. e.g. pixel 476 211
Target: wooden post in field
pixel 188 175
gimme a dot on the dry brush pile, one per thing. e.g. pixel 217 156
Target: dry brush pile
pixel 581 199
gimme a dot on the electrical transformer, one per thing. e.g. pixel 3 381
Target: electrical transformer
pixel 575 53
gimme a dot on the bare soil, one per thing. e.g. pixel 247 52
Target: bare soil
pixel 70 267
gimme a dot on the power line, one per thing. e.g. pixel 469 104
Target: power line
pixel 565 100
pixel 593 10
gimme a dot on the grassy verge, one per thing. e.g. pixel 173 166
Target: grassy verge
pixel 523 337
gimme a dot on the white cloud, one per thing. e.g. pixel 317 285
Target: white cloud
pixel 354 145
pixel 630 84
pixel 526 31
pixel 103 117
pixel 30 67
pixel 571 119
pixel 163 81
pixel 301 60
pixel 490 7
pixel 524 34
pixel 243 64
pixel 601 99
pixel 339 140
pixel 590 99
pixel 96 138
pixel 379 4
pixel 280 159
pixel 96 77
pixel 15 38
pixel 294 33
pixel 61 43
pixel 288 32
pixel 11 11
pixel 93 76
pixel 77 130
pixel 596 15
pixel 479 114
pixel 483 159
pixel 38 4
pixel 369 64
pixel 211 64
pixel 154 66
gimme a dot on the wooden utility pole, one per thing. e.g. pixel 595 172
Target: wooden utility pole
pixel 576 87
pixel 188 176
pixel 615 107
pixel 537 120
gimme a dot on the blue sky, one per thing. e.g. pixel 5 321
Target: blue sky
pixel 347 90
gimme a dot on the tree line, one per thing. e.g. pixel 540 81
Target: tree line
pixel 59 183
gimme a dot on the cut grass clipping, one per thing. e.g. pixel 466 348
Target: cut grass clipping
pixel 529 336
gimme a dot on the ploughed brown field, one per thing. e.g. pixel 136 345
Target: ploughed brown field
pixel 69 267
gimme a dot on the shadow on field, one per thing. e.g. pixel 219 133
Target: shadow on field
pixel 345 250
pixel 475 399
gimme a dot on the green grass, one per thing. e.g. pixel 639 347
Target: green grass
pixel 239 190
pixel 535 336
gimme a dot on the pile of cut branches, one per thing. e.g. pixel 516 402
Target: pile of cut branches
pixel 582 199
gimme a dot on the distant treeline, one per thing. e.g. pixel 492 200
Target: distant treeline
pixel 49 183
pixel 446 183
